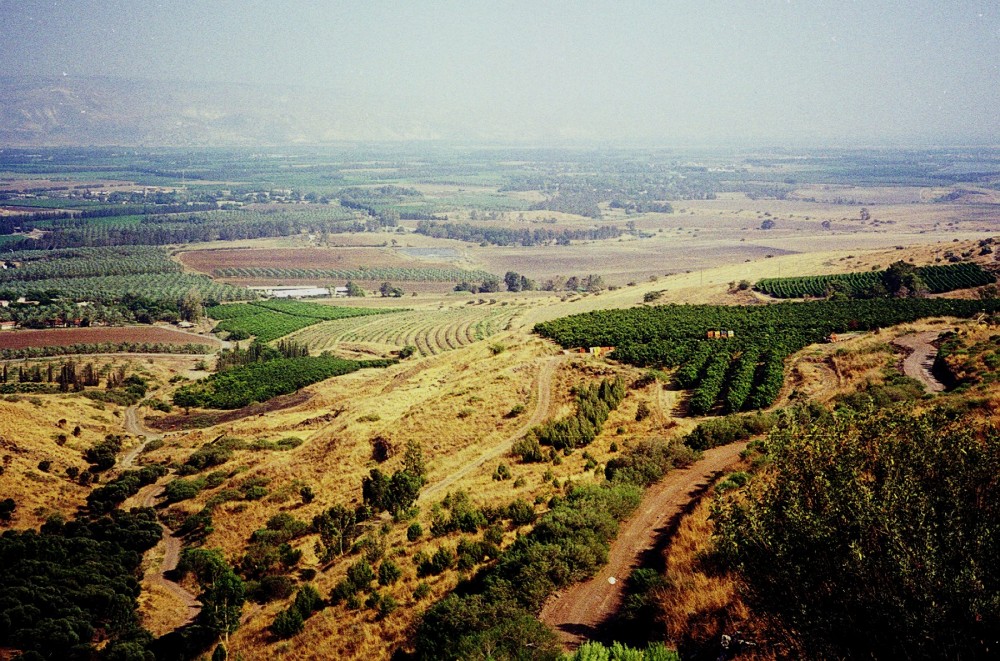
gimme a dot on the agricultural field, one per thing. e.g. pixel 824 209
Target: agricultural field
pixel 431 331
pixel 268 320
pixel 323 265
pixel 938 280
pixel 112 288
pixel 27 265
pixel 351 484
pixel 101 335
pixel 745 370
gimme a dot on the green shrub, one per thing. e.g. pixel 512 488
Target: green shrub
pixel 421 591
pixel 287 623
pixel 443 559
pixel 388 573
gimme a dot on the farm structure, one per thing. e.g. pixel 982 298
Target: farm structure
pixel 593 351
pixel 293 292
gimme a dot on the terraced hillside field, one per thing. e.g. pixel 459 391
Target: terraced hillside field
pixel 430 331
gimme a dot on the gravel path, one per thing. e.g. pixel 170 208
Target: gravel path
pixel 918 362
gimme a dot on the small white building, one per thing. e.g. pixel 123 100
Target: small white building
pixel 340 292
pixel 292 292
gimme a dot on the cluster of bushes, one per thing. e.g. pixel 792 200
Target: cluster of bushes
pixel 872 534
pixel 198 525
pixel 213 453
pixel 359 579
pixel 270 547
pixel 290 621
pixel 182 489
pixel 494 612
pixel 568 544
pixel 106 498
pixel 124 392
pixel 456 513
pixel 647 461
pixel 896 388
pixel 396 493
pixel 594 403
pixel 71 587
pixel 594 651
pixel 103 455
pixel 259 382
pixel 729 429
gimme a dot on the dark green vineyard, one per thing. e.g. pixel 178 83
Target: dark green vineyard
pixel 745 371
pixel 938 279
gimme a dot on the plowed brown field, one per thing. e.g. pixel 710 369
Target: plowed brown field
pixel 19 339
pixel 206 261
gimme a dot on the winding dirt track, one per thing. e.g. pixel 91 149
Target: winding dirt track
pixel 917 365
pixel 544 386
pixel 577 613
pixel 171 544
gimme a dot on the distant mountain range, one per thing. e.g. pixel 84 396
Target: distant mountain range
pixel 74 111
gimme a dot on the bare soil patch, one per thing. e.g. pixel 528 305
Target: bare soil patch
pixel 181 421
pixel 58 337
pixel 917 364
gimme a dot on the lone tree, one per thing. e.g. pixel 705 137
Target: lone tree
pixel 223 592
pixel 191 306
pixel 388 290
pixel 902 279
pixel 354 289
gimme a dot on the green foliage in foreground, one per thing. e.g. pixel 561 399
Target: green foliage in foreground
pixel 745 371
pixel 259 382
pixel 593 651
pixel 874 535
pixel 72 585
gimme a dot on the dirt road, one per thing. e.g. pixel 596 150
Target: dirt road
pixel 134 427
pixel 544 386
pixel 169 544
pixel 917 365
pixel 577 612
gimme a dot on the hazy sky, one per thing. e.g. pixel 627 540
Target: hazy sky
pixel 697 71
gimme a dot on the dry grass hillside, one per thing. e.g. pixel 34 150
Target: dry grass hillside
pixel 43 427
pixel 463 406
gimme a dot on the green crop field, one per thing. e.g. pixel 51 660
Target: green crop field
pixel 270 320
pixel 938 279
